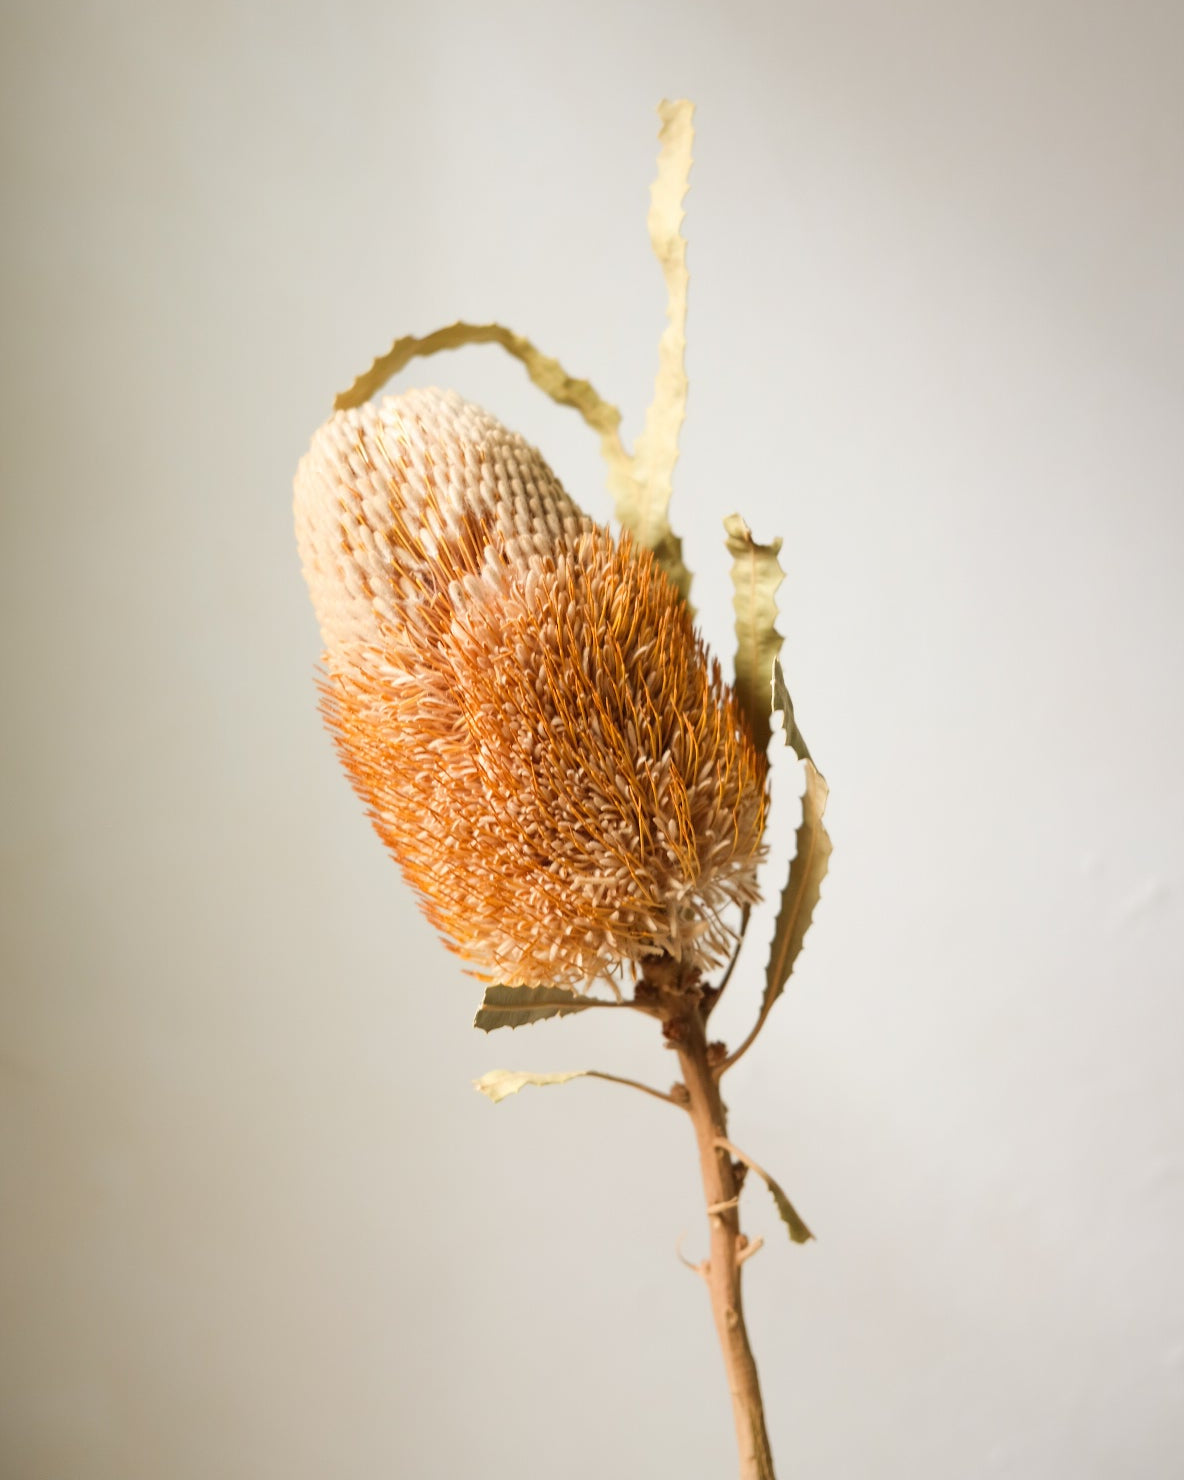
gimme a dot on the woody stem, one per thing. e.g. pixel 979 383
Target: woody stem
pixel 685 1031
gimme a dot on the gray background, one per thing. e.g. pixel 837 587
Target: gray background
pixel 256 1222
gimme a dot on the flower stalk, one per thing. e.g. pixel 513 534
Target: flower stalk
pixel 683 1006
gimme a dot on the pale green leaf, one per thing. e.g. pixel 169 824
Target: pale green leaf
pixel 644 506
pixel 811 858
pixel 802 889
pixel 798 1231
pixel 782 704
pixel 500 1083
pixel 547 373
pixel 513 1007
pixel 640 483
pixel 756 575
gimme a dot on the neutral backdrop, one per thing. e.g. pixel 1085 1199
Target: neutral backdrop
pixel 256 1223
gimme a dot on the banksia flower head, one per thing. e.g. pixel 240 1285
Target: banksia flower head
pixel 538 734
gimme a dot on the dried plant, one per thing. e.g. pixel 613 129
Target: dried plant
pixel 522 702
pixel 540 736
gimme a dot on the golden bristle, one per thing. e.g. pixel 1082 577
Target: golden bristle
pixel 537 732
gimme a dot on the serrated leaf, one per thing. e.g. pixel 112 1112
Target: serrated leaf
pixel 782 704
pixel 641 482
pixel 802 891
pixel 498 1084
pixel 790 1216
pixel 798 1231
pixel 547 373
pixel 756 575
pixel 811 859
pixel 644 508
pixel 513 1007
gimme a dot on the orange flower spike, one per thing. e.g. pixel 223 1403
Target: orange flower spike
pixel 537 732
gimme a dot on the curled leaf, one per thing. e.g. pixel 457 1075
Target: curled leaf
pixel 513 1007
pixel 782 704
pixel 790 1216
pixel 801 894
pixel 547 373
pixel 803 888
pixel 811 859
pixel 498 1084
pixel 641 482
pixel 645 509
pixel 756 575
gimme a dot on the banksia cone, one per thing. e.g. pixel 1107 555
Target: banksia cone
pixel 538 734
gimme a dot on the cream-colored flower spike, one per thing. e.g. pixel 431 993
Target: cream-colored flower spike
pixel 538 734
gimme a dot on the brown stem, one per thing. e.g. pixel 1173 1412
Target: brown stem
pixel 685 1030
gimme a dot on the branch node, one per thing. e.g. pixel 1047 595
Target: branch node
pixel 702 1269
pixel 674 1032
pixel 747 1247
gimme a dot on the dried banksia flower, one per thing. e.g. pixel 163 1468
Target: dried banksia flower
pixel 539 735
